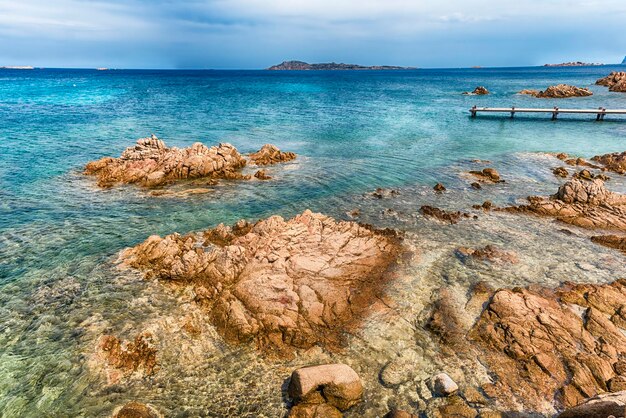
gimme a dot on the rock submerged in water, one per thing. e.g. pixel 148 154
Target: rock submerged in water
pixel 616 81
pixel 150 163
pixel 478 91
pixel 323 391
pixel 136 410
pixel 442 215
pixel 559 91
pixel 490 253
pixel 119 359
pixel 615 162
pixel 600 406
pixel 282 284
pixel 443 385
pixel 487 175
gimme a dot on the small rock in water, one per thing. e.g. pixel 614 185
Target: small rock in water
pixel 136 410
pixel 478 91
pixel 476 185
pixel 262 175
pixel 381 193
pixel 560 172
pixel 443 385
pixel 354 213
pixel 397 413
pixel 439 188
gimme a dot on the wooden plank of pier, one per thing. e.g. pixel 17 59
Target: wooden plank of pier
pixel 600 112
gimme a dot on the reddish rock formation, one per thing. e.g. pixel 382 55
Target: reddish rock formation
pixel 151 163
pixel 122 358
pixel 616 81
pixel 439 188
pixel 488 175
pixel 262 175
pixel 615 162
pixel 576 162
pixel 489 253
pixel 587 204
pixel 540 348
pixel 323 391
pixel 442 215
pixel 283 284
pixel 559 91
pixel 270 154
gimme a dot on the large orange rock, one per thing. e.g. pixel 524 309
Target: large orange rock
pixel 548 346
pixel 270 154
pixel 281 283
pixel 615 161
pixel 559 91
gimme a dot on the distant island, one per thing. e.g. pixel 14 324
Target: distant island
pixel 574 64
pixel 17 67
pixel 301 65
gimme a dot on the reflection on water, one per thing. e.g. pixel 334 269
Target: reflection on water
pixel 60 235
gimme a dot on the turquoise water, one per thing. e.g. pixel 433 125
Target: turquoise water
pixel 353 132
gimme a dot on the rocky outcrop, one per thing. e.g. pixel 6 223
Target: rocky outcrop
pixel 119 359
pixel 553 345
pixel 490 175
pixel 150 163
pixel 270 154
pixel 559 91
pixel 439 188
pixel 324 391
pixel 615 162
pixel 616 81
pixel 283 284
pixel 587 204
pixel 529 92
pixel 573 64
pixel 560 172
pixel 478 91
pixel 617 242
pixel 381 193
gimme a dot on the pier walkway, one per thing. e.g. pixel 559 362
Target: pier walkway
pixel 555 111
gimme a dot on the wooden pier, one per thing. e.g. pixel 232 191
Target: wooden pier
pixel 555 111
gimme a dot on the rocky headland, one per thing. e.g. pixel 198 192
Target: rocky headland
pixel 574 64
pixel 301 65
pixel 560 91
pixel 150 163
pixel 616 81
pixel 281 284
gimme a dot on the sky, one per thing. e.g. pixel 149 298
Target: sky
pixel 251 34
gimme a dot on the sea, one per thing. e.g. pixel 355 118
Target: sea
pixel 353 132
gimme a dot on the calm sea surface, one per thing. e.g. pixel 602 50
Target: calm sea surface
pixel 353 132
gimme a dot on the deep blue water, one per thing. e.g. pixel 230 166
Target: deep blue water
pixel 353 132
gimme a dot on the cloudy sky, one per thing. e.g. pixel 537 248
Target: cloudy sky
pixel 258 33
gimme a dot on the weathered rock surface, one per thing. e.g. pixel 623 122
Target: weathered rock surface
pixel 559 91
pixel 615 162
pixel 119 359
pixel 587 204
pixel 600 406
pixel 334 385
pixel 136 410
pixel 282 284
pixel 560 172
pixel 439 188
pixel 616 81
pixel 478 91
pixel 150 163
pixel 262 175
pixel 270 154
pixel 552 345
pixel 398 413
pixel 487 175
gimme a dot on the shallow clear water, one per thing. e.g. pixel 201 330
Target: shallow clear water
pixel 353 132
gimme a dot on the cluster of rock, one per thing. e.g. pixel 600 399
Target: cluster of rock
pixel 478 91
pixel 490 253
pixel 283 284
pixel 616 81
pixel 559 91
pixel 119 359
pixel 553 345
pixel 488 175
pixel 450 217
pixel 150 163
pixel 615 162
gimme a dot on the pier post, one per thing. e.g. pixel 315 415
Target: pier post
pixel 512 111
pixel 473 111
pixel 555 113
